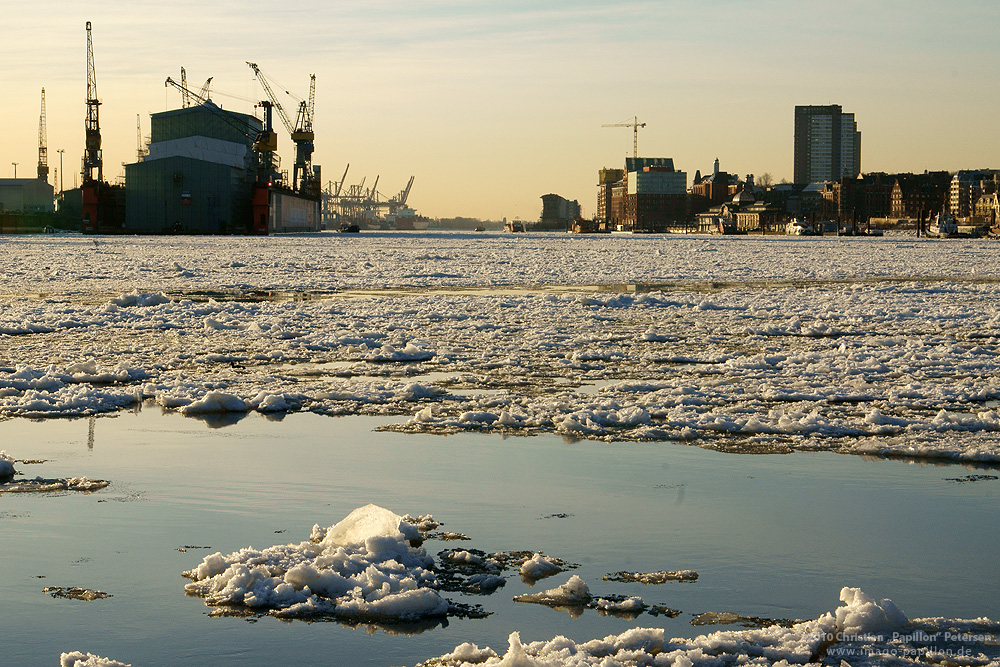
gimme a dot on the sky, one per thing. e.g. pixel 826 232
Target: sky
pixel 490 105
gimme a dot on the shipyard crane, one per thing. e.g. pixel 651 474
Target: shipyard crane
pixel 139 153
pixel 187 95
pixel 265 142
pixel 635 125
pixel 303 178
pixel 43 154
pixel 92 189
pixel 93 164
pixel 203 94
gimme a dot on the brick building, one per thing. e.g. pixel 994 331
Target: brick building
pixel 924 194
pixel 649 196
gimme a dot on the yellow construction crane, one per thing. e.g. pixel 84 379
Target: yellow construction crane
pixel 635 125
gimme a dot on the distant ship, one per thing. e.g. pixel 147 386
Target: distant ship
pixel 406 219
pixel 513 226
pixel 944 225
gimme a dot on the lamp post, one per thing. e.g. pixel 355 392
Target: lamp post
pixel 60 151
pixel 15 169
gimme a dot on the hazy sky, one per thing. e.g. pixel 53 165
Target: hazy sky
pixel 493 104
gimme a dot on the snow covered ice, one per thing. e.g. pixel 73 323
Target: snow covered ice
pixel 880 346
pixel 6 466
pixel 362 567
pixel 81 659
pixel 8 483
pixel 863 631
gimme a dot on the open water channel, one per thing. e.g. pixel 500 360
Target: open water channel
pixel 773 536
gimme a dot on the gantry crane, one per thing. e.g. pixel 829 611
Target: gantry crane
pixel 635 125
pixel 304 180
pixel 43 153
pixel 399 201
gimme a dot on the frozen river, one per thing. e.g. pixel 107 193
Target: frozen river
pixel 534 393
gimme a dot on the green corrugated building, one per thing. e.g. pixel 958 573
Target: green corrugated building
pixel 197 176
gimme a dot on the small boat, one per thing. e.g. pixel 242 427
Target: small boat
pixel 798 228
pixel 943 226
pixel 352 228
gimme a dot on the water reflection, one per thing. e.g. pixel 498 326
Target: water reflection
pixel 398 629
pixel 771 537
pixel 217 420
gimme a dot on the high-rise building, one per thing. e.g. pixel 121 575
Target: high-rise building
pixel 827 144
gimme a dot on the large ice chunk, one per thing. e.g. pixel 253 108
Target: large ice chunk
pixel 6 466
pixel 366 522
pixel 361 567
pixel 864 615
pixel 80 659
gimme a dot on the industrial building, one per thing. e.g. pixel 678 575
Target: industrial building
pixel 26 195
pixel 201 175
pixel 197 175
pixel 827 144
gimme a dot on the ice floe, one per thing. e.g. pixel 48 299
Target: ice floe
pixel 6 466
pixel 660 577
pixel 883 347
pixel 539 567
pixel 863 631
pixel 364 567
pixel 80 659
pixel 76 593
pixel 8 483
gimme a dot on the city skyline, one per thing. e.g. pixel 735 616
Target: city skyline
pixel 492 105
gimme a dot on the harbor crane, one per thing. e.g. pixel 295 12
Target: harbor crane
pixel 399 201
pixel 635 125
pixel 265 142
pixel 304 179
pixel 188 96
pixel 93 190
pixel 93 163
pixel 43 153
